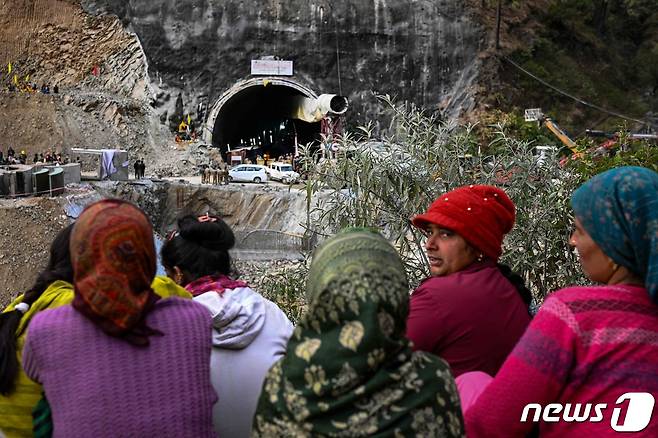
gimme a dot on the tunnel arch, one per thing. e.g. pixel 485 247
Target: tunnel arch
pixel 257 110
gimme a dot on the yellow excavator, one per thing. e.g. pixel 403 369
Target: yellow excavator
pixel 536 115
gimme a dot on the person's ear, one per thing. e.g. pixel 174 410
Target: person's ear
pixel 178 276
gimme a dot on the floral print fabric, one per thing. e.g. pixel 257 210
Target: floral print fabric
pixel 349 369
pixel 619 210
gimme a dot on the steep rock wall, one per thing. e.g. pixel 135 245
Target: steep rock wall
pixel 245 207
pixel 99 68
pixel 419 50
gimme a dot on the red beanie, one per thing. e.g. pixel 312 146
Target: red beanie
pixel 482 215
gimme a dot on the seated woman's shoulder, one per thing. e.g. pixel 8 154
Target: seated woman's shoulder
pixel 430 358
pixel 577 293
pixel 435 282
pixel 49 318
pixel 436 287
pixel 179 304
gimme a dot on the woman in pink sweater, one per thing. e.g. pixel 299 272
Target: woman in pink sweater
pixel 588 348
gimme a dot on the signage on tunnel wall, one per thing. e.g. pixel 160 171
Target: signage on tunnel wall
pixel 271 67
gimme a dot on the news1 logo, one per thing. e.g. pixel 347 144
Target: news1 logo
pixel 638 412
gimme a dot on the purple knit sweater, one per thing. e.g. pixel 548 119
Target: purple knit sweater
pixel 101 386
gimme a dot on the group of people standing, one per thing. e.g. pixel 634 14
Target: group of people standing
pixel 50 157
pixel 32 87
pixel 140 168
pixel 21 157
pixel 215 175
pixel 12 157
pixel 100 346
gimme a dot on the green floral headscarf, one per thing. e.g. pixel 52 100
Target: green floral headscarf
pixel 349 369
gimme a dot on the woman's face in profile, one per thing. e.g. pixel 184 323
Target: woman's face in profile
pixel 447 251
pixel 596 265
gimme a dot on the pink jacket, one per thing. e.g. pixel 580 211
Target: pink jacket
pixel 587 346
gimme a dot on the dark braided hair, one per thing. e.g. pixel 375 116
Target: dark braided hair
pixel 199 247
pixel 59 268
pixel 518 283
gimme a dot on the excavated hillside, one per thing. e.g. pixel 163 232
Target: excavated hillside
pixel 603 53
pixel 422 51
pixel 122 66
pixel 99 68
pixel 27 227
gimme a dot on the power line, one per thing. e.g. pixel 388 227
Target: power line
pixel 577 99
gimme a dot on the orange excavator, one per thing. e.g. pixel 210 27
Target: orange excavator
pixel 536 115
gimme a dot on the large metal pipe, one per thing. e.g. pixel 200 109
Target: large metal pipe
pixel 314 110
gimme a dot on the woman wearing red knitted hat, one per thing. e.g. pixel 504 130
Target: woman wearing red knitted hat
pixel 472 310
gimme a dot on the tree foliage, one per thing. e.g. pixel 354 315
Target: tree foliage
pixel 383 183
pixel 627 153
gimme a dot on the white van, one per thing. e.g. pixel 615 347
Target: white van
pixel 282 172
pixel 248 172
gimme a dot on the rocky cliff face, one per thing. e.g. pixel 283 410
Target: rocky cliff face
pixel 245 207
pixel 419 50
pixel 99 68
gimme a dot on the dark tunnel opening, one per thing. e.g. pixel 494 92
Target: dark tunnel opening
pixel 259 118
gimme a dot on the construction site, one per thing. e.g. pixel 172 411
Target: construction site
pixel 187 85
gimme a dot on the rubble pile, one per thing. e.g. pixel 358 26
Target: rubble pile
pixel 28 227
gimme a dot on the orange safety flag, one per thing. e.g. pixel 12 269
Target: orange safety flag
pixel 95 71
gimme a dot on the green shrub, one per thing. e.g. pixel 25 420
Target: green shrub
pixel 383 183
pixel 286 288
pixel 633 153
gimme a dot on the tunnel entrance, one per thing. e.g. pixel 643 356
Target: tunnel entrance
pixel 257 115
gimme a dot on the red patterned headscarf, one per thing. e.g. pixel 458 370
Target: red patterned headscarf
pixel 114 263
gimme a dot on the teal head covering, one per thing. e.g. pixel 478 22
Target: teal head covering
pixel 349 369
pixel 619 210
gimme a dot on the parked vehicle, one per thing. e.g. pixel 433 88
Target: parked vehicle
pixel 248 173
pixel 282 172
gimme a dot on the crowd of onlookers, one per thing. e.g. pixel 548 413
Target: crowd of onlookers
pixel 33 88
pixel 11 157
pixel 100 346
